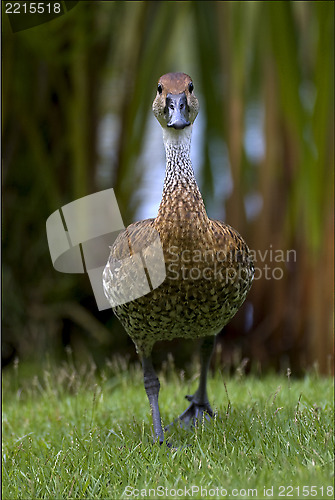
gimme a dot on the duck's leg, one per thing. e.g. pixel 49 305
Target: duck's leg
pixel 152 385
pixel 200 406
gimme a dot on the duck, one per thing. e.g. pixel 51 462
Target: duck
pixel 207 266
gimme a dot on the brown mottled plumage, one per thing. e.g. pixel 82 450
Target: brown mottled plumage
pixel 208 268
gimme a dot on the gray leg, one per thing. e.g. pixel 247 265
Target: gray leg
pixel 200 406
pixel 152 385
pixel 200 396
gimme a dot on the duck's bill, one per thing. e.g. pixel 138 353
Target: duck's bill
pixel 176 111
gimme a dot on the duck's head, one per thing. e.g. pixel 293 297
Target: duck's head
pixel 175 105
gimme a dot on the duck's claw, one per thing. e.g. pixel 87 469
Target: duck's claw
pixel 194 414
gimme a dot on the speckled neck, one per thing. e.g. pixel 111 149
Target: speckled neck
pixel 181 198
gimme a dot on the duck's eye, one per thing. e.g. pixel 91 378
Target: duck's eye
pixel 159 88
pixel 190 87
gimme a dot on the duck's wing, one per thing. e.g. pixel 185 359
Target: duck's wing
pixel 227 237
pixel 232 247
pixel 135 265
pixel 133 239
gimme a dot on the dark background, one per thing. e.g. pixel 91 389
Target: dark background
pixel 264 75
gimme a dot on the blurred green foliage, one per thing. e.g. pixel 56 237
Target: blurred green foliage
pixel 60 79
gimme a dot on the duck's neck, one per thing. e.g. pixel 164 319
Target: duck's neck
pixel 181 196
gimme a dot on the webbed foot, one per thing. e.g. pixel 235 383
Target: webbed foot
pixel 195 413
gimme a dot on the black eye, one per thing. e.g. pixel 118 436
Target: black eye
pixel 190 87
pixel 159 88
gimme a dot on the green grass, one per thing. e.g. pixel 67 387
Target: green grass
pixel 73 433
